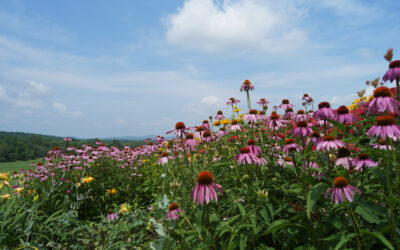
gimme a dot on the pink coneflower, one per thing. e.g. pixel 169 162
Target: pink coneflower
pixel 174 211
pixel 111 215
pixel 385 127
pixel 301 116
pixel 254 149
pixel 204 189
pixel 235 126
pixel 284 161
pixel 262 161
pixel 207 136
pixel 199 132
pixel 163 159
pixel 232 101
pixel 328 143
pixel 190 142
pixel 206 125
pixel 246 86
pixel 344 159
pixel 341 185
pixel 324 112
pixel 289 114
pixel 219 116
pixel 382 144
pixel 364 161
pixel 264 103
pixel 252 116
pixel 67 139
pixel 179 129
pixel 221 132
pixel 285 104
pixel 343 115
pixel 307 99
pixel 291 146
pixel 393 72
pixel 383 101
pixel 302 129
pixel 275 122
pixel 246 157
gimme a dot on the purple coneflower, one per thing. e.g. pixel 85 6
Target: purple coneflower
pixel 284 161
pixel 174 211
pixel 315 138
pixel 235 126
pixel 285 104
pixel 221 132
pixel 204 189
pixel 393 72
pixel 262 161
pixel 364 161
pixel 264 103
pixel 324 112
pixel 341 185
pixel 328 143
pixel 163 159
pixel 307 99
pixel 289 114
pixel 199 132
pixel 111 215
pixel 254 149
pixel 275 122
pixel 179 129
pixel 206 125
pixel 246 86
pixel 300 116
pixel 219 115
pixel 291 146
pixel 383 101
pixel 246 156
pixel 232 101
pixel 385 127
pixel 302 129
pixel 382 144
pixel 252 116
pixel 343 115
pixel 207 137
pixel 190 142
pixel 343 158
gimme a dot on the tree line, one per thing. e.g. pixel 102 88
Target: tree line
pixel 18 146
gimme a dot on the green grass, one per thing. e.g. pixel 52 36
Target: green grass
pixel 16 166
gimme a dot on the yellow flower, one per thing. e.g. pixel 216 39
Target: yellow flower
pixel 36 197
pixel 216 123
pixel 225 121
pixel 111 191
pixel 87 179
pixel 5 197
pixel 77 184
pixel 19 190
pixel 4 176
pixel 237 110
pixel 124 208
pixel 235 107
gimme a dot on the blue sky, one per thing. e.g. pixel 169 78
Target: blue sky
pixel 98 69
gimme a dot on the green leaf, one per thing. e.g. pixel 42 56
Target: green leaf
pixel 370 212
pixel 276 225
pixel 241 208
pixel 314 195
pixel 379 236
pixel 344 239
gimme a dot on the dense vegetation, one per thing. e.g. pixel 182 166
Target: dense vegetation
pixel 16 146
pixel 325 179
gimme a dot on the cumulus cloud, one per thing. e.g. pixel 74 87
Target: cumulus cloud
pixel 63 109
pixel 38 87
pixel 216 26
pixel 23 95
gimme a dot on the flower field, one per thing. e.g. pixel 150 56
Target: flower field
pixel 273 177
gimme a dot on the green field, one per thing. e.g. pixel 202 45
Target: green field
pixel 16 166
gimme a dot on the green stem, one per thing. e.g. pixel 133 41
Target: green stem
pixel 356 227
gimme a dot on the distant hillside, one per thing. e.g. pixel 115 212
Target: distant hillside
pixel 27 146
pixel 129 138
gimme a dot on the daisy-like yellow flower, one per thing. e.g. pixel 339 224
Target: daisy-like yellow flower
pixel 225 121
pixel 237 110
pixel 216 123
pixel 111 191
pixel 5 196
pixel 4 176
pixel 124 208
pixel 87 179
pixel 19 190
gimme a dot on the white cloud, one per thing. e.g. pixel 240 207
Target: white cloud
pixel 62 109
pixel 38 87
pixel 244 25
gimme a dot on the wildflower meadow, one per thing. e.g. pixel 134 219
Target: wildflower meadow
pixel 260 177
